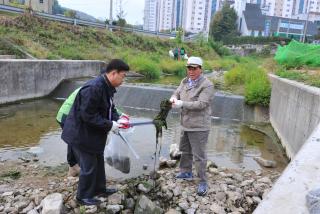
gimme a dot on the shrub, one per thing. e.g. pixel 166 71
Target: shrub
pixel 258 91
pixel 253 40
pixel 255 79
pixel 219 48
pixel 266 50
pixel 236 76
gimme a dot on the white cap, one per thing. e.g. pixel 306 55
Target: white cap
pixel 194 61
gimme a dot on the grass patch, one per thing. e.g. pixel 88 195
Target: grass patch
pixel 145 66
pixel 300 76
pixel 170 66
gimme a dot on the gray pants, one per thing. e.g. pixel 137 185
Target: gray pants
pixel 193 146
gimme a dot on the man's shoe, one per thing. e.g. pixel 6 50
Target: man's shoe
pixel 74 171
pixel 88 201
pixel 202 189
pixel 107 192
pixel 184 175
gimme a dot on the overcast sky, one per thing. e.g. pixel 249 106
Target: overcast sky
pixel 101 8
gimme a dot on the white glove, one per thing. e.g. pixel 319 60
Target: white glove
pixel 123 123
pixel 177 104
pixel 115 126
pixel 173 99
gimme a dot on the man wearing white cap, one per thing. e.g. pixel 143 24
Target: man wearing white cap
pixel 194 96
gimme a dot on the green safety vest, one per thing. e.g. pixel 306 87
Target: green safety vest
pixel 66 106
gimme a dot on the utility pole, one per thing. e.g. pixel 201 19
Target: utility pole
pixel 110 14
pixel 306 23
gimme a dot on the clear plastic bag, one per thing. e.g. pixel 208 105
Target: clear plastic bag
pixel 117 154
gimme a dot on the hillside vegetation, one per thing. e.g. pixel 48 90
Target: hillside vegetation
pixel 147 55
pixel 52 40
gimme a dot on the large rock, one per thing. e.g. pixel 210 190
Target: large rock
pixel 266 163
pixel 52 204
pixel 116 198
pixel 145 206
pixel 173 211
pixel 113 209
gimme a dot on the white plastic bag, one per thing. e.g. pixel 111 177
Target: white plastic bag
pixel 117 154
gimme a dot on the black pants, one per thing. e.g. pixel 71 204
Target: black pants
pixel 70 154
pixel 92 179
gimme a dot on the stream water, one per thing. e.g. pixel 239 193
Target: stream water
pixel 29 129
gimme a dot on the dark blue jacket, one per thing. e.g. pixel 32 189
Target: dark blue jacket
pixel 90 118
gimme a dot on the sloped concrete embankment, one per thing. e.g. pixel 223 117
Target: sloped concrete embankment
pixel 224 106
pixel 27 79
pixel 295 116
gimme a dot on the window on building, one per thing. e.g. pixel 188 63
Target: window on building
pixel 41 1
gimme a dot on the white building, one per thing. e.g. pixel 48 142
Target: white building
pixel 296 9
pixel 254 23
pixel 163 15
pixel 166 15
pixel 44 6
pixel 307 9
pixel 197 15
pixel 151 13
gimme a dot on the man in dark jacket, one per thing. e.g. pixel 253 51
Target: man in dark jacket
pixel 91 117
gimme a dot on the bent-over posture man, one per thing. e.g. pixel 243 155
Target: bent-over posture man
pixel 91 118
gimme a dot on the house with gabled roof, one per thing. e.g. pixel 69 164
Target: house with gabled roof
pixel 253 23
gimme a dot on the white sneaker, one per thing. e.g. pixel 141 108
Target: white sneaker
pixel 74 171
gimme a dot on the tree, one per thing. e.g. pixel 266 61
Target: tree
pixel 179 36
pixel 121 14
pixel 121 21
pixel 224 24
pixel 56 8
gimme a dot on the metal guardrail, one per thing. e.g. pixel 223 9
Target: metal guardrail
pixel 68 20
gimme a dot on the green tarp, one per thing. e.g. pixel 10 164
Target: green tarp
pixel 297 54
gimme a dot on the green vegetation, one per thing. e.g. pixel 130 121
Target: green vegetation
pixel 257 88
pixel 52 40
pixel 254 40
pixel 13 174
pixel 146 55
pixel 224 24
pixel 301 76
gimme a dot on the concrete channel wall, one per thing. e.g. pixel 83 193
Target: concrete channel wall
pixel 295 116
pixel 225 106
pixel 27 79
pixel 294 112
